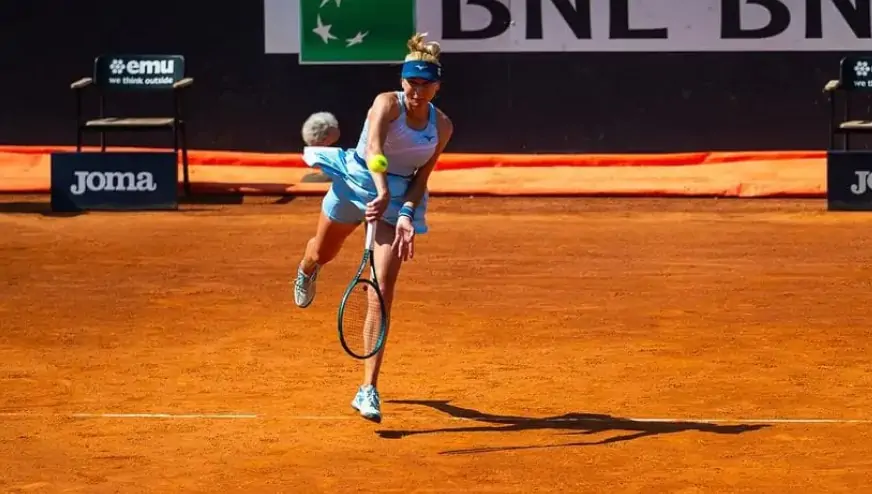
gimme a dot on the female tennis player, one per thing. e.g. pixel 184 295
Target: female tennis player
pixel 411 133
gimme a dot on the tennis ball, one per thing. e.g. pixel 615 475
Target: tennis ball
pixel 378 163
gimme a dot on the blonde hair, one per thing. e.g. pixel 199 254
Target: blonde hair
pixel 422 51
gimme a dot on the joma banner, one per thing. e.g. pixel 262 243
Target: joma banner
pixel 114 181
pixel 849 180
pixel 569 26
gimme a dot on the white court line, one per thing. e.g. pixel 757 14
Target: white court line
pixel 135 415
pixel 431 418
pixel 164 415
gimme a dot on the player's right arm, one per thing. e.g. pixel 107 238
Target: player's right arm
pixel 385 109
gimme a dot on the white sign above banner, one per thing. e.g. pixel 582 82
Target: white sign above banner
pixel 615 25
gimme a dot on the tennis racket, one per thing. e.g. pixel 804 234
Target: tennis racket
pixel 362 311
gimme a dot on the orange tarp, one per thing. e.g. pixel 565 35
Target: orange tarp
pixel 725 174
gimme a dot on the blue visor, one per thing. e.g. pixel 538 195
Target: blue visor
pixel 417 69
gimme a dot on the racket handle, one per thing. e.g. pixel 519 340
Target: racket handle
pixel 370 235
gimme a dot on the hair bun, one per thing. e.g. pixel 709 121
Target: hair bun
pixel 425 50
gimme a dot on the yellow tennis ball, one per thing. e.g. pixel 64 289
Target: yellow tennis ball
pixel 378 163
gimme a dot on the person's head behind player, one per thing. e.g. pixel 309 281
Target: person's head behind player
pixel 422 71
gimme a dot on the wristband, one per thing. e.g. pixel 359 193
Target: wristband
pixel 407 211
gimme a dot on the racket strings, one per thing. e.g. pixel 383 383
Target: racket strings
pixel 362 319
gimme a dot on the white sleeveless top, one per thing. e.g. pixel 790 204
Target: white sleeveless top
pixel 406 149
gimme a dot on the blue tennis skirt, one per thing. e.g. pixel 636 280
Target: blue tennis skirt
pixel 353 187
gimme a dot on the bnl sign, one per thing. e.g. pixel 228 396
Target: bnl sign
pixel 655 25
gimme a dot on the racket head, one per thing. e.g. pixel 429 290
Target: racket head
pixel 362 319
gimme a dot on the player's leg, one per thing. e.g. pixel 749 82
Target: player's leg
pixel 338 219
pixel 387 264
pixel 388 271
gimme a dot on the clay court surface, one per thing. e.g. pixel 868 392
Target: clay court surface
pixel 531 340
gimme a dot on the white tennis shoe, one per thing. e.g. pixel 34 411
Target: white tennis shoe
pixel 368 403
pixel 304 287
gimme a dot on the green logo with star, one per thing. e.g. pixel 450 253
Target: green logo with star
pixel 355 31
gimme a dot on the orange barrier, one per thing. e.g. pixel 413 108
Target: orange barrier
pixel 25 169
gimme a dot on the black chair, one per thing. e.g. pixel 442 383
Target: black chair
pixel 136 73
pixel 855 77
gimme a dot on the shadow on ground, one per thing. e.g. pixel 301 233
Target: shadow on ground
pixel 42 208
pixel 576 423
pixel 39 206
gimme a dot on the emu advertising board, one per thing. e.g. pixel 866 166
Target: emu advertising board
pixel 375 31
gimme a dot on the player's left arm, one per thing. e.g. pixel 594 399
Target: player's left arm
pixel 418 185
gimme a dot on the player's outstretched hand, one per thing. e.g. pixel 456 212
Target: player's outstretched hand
pixel 404 241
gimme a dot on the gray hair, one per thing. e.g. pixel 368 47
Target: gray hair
pixel 320 129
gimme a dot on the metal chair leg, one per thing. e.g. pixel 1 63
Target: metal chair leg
pixel 185 177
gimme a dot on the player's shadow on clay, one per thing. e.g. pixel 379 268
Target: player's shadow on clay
pixel 577 423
